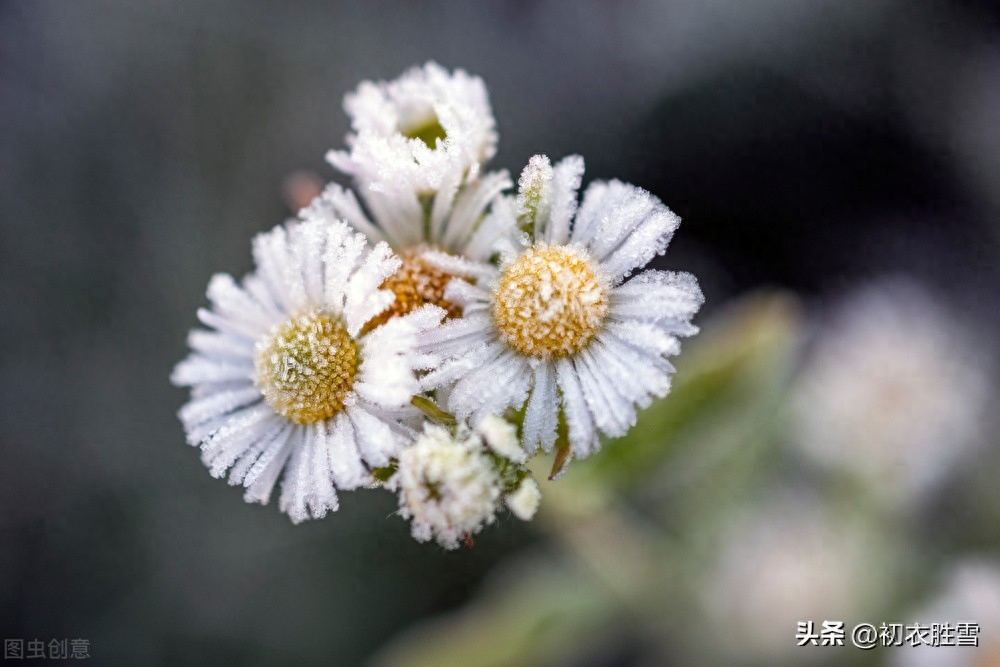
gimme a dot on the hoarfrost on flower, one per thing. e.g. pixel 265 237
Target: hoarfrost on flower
pixel 416 159
pixel 284 381
pixel 450 483
pixel 429 129
pixel 556 328
pixel 893 392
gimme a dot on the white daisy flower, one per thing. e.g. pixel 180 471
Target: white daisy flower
pixel 288 381
pixel 893 394
pixel 555 328
pixel 430 129
pixel 450 484
pixel 415 157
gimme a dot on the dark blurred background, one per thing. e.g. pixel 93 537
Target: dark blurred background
pixel 808 144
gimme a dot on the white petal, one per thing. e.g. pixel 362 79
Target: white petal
pixel 648 337
pixel 217 404
pixel 470 205
pixel 646 241
pixel 662 296
pixel 611 411
pixel 343 252
pixel 218 344
pixel 541 417
pixel 249 457
pixel 270 253
pixel 219 455
pixel 324 494
pixel 259 482
pixel 453 369
pixel 459 266
pixel 230 301
pixel 590 214
pixel 307 242
pixel 364 299
pixel 442 206
pixel 492 387
pixel 345 459
pixel 374 438
pixel 236 328
pixel 197 369
pixel 500 223
pixel 457 335
pixel 566 177
pixel 534 195
pixel 295 484
pixel 344 205
pixel 465 294
pixel 582 435
pixel 244 423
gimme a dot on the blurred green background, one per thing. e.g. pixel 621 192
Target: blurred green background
pixel 812 148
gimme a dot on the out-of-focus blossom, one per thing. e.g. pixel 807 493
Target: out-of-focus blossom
pixel 970 594
pixel 791 560
pixel 893 392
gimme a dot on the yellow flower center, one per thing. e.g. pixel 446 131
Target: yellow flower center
pixel 306 367
pixel 549 302
pixel 415 283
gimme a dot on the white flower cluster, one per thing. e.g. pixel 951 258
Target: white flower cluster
pixel 375 331
pixel 451 483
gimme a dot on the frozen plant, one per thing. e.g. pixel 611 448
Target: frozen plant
pixel 320 366
pixel 428 128
pixel 451 481
pixel 556 329
pixel 285 381
pixel 415 157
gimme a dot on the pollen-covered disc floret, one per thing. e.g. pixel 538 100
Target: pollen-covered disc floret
pixel 549 302
pixel 450 483
pixel 306 367
pixel 415 284
pixel 555 329
pixel 284 382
